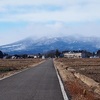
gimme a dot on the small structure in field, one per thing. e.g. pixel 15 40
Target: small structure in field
pixel 73 55
pixel 13 57
pixel 30 56
pixel 43 57
pixel 35 57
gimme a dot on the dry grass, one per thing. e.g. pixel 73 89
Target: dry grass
pixel 7 65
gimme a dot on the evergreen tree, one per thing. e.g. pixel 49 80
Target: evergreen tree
pixel 1 54
pixel 57 53
pixel 98 53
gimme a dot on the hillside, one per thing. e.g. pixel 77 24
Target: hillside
pixel 42 45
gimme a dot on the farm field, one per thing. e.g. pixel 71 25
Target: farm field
pixel 87 85
pixel 88 67
pixel 11 65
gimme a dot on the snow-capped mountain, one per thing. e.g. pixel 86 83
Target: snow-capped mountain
pixel 42 45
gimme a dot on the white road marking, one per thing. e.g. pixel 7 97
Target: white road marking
pixel 62 87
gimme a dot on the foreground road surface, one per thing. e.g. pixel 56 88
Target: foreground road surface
pixel 38 83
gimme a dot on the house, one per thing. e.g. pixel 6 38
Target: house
pixel 35 57
pixel 94 56
pixel 30 56
pixel 43 57
pixel 73 55
pixel 13 57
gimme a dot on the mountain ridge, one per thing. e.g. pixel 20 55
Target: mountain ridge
pixel 44 44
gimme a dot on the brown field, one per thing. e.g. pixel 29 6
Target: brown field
pixel 9 65
pixel 78 89
pixel 88 67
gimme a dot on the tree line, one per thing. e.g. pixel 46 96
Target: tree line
pixel 54 53
pixel 1 54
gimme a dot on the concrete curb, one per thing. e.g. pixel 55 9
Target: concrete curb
pixel 61 86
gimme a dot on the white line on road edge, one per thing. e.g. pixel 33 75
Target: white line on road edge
pixel 62 86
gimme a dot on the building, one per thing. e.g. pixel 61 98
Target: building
pixel 43 57
pixel 30 56
pixel 73 55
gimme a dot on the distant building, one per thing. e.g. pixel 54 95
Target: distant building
pixel 13 57
pixel 30 56
pixel 94 57
pixel 35 57
pixel 73 55
pixel 43 57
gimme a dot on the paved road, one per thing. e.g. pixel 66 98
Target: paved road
pixel 38 83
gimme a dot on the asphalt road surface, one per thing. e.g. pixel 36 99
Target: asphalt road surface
pixel 38 83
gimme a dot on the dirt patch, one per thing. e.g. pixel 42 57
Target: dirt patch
pixel 77 89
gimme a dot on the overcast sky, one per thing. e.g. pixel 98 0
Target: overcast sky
pixel 23 18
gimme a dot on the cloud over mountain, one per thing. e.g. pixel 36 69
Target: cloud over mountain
pixel 23 18
pixel 42 45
